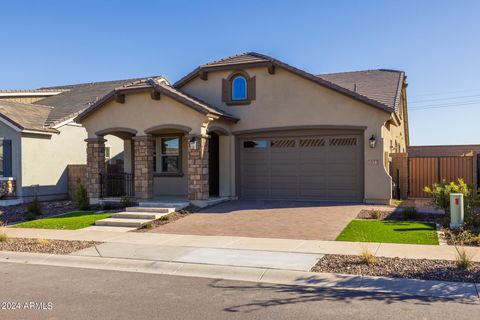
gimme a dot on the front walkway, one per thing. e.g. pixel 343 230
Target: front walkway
pixel 307 220
pixel 243 243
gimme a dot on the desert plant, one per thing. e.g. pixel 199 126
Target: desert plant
pixel 126 202
pixel 463 260
pixel 106 206
pixel 42 241
pixel 81 197
pixel 147 225
pixel 184 211
pixel 375 214
pixel 3 235
pixel 164 218
pixel 440 193
pixel 30 216
pixel 409 213
pixel 368 257
pixel 34 207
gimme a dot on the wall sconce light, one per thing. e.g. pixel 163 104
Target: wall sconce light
pixel 372 141
pixel 193 142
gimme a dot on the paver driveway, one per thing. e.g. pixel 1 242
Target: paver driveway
pixel 268 219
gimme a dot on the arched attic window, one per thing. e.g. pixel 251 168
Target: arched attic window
pixel 238 88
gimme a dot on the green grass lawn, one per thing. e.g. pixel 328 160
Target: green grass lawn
pixel 389 231
pixel 69 221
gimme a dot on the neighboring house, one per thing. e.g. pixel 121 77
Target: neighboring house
pixel 38 139
pixel 252 127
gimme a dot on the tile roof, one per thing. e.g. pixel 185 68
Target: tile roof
pixel 236 59
pixel 77 98
pixel 26 116
pixel 380 85
pixel 163 87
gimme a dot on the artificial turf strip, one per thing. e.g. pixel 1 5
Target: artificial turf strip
pixel 389 232
pixel 69 221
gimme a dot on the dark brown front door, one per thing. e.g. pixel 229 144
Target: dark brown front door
pixel 213 164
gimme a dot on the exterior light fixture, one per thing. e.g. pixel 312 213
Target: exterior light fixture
pixel 193 142
pixel 372 141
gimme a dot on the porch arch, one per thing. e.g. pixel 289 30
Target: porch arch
pixel 120 132
pixel 177 128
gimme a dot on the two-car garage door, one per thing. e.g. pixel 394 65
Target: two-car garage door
pixel 308 167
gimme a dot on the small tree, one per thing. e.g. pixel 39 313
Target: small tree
pixel 81 197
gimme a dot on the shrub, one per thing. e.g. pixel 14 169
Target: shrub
pixel 184 211
pixel 164 218
pixel 3 235
pixel 106 206
pixel 368 257
pixel 43 241
pixel 463 260
pixel 440 193
pixel 81 197
pixel 409 213
pixel 34 207
pixel 30 216
pixel 375 214
pixel 147 225
pixel 126 202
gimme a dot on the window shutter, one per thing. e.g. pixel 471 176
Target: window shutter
pixel 225 90
pixel 251 89
pixel 7 158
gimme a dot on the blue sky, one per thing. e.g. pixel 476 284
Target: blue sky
pixel 435 42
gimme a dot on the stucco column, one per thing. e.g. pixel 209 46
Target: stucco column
pixel 144 147
pixel 95 166
pixel 198 188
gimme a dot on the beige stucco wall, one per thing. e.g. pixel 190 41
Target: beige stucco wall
pixel 44 160
pixel 10 134
pixel 286 100
pixel 140 112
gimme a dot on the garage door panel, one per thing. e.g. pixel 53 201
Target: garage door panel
pixel 314 167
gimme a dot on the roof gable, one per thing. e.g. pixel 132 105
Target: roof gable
pixel 162 87
pixel 253 59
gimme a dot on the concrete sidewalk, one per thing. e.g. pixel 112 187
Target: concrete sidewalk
pixel 243 243
pixel 466 292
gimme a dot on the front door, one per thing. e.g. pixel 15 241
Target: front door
pixel 213 164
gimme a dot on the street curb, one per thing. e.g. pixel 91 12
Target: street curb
pixel 411 287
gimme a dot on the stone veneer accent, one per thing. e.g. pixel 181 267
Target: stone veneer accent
pixel 144 147
pixel 198 188
pixel 95 165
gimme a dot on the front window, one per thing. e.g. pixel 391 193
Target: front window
pixel 170 155
pixel 5 158
pixel 239 88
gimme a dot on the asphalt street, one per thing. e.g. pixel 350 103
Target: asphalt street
pixel 46 292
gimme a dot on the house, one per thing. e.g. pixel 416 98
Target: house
pixel 39 139
pixel 251 127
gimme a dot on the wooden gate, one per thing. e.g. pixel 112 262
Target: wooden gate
pixel 425 171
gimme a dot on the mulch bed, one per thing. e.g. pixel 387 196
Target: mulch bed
pixel 172 217
pixel 397 215
pixel 18 213
pixel 45 246
pixel 423 269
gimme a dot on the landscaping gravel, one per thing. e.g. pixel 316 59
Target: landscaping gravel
pixel 45 246
pixel 18 213
pixel 423 269
pixel 156 224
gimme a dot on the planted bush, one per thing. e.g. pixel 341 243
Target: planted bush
pixel 440 193
pixel 81 197
pixel 34 207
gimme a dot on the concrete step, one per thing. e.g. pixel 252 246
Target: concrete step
pixel 164 204
pixel 151 209
pixel 138 215
pixel 118 222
